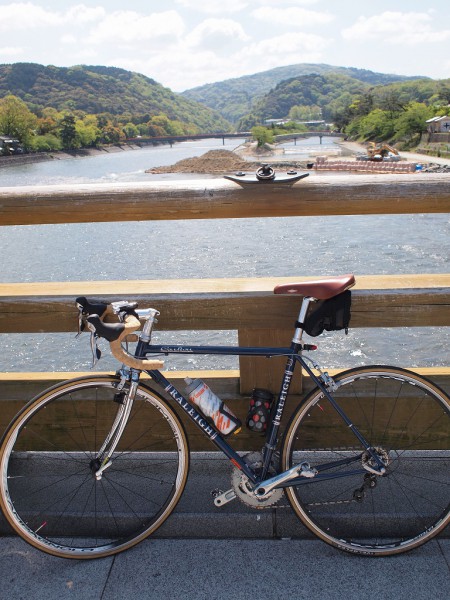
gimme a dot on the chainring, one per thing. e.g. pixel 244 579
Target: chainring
pixel 243 488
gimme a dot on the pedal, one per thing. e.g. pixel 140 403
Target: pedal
pixel 221 498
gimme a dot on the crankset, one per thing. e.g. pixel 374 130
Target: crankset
pixel 243 489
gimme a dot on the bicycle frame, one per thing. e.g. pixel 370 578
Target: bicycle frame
pixel 293 354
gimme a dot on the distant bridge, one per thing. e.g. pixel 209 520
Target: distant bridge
pixel 307 134
pixel 171 139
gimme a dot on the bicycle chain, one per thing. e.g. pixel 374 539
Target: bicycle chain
pixel 326 503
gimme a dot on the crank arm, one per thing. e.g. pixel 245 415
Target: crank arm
pixel 224 498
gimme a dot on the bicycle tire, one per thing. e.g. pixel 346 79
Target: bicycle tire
pixel 49 493
pixel 406 417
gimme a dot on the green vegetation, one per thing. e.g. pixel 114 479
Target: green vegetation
pixel 235 98
pixel 318 95
pixel 49 108
pixel 396 112
pixel 262 135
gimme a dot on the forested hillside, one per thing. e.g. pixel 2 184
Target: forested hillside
pixel 305 98
pixel 234 98
pixel 97 89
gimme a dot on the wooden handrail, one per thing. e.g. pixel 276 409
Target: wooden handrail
pixel 219 198
pixel 215 304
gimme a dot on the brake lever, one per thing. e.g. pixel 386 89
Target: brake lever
pixel 96 352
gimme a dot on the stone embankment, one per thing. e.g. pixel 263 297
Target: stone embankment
pixel 363 166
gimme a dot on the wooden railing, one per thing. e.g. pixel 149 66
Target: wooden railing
pixel 245 305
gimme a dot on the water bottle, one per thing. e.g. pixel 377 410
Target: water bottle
pixel 259 410
pixel 212 406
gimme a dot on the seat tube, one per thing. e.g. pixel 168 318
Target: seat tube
pixel 301 320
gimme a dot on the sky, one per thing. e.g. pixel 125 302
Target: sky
pixel 187 43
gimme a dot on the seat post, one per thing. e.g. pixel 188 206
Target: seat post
pixel 297 339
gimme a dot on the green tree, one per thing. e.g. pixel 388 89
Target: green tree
pixel 305 113
pixel 16 120
pixel 262 135
pixel 46 143
pixel 412 121
pixel 68 132
pixel 377 125
pixel 130 130
pixel 87 131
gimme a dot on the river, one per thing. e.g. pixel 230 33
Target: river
pixel 294 247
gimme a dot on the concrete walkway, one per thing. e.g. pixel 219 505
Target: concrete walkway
pixel 226 569
pixel 244 554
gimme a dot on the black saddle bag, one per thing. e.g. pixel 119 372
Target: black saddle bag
pixel 331 315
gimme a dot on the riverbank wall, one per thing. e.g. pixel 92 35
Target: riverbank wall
pixel 37 157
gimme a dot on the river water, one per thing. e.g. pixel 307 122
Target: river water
pixel 294 247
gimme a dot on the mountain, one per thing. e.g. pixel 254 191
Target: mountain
pixel 234 98
pixel 97 89
pixel 327 92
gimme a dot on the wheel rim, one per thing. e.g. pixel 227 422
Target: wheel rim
pixel 53 499
pixel 405 419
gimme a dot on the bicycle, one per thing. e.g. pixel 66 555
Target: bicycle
pixel 94 465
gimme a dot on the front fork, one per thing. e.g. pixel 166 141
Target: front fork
pixel 125 399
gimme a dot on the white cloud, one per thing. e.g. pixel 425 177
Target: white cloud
pixel 68 38
pixel 83 14
pixel 215 33
pixel 214 7
pixel 26 15
pixel 396 28
pixel 292 43
pixel 130 27
pixel 10 51
pixel 284 3
pixel 294 16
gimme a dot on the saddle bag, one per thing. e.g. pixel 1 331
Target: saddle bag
pixel 331 315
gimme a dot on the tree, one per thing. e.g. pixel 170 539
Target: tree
pixel 377 125
pixel 87 131
pixel 46 143
pixel 16 120
pixel 130 130
pixel 262 135
pixel 412 121
pixel 68 132
pixel 305 113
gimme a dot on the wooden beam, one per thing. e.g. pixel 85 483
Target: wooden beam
pixel 220 198
pixel 18 388
pixel 233 304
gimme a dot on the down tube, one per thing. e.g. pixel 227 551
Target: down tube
pixel 209 430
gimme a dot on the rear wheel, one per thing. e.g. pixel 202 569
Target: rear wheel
pixel 406 418
pixel 49 492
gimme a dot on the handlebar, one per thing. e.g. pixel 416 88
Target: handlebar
pixel 116 333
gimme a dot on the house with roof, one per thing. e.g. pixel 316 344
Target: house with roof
pixel 438 125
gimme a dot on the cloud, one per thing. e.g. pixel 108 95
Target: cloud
pixel 10 51
pixel 130 27
pixel 216 33
pixel 214 7
pixel 395 28
pixel 26 15
pixel 293 17
pixel 291 43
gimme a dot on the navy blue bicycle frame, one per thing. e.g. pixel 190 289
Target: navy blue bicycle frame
pixel 293 355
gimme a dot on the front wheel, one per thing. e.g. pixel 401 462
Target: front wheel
pixel 406 419
pixel 49 490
